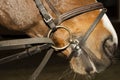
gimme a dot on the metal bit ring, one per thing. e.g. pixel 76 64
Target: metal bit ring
pixel 70 36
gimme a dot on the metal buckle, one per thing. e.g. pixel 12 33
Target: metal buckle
pixel 49 19
pixel 70 36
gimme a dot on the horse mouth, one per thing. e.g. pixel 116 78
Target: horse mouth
pixel 82 68
pixel 86 66
pixel 87 63
pixel 82 64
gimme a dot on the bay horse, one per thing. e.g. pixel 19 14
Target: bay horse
pixel 94 56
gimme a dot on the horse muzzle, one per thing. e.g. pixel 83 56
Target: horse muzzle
pixel 81 57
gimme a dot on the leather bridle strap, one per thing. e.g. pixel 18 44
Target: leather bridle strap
pixel 65 16
pixel 42 64
pixel 31 45
pixel 92 27
pixel 23 43
pixel 28 52
pixel 78 11
pixel 56 12
pixel 46 16
pixel 74 12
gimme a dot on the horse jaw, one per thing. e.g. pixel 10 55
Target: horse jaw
pixel 82 66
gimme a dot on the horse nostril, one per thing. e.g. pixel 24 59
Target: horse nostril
pixel 109 47
pixel 89 70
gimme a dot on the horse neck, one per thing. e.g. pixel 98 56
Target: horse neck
pixel 39 30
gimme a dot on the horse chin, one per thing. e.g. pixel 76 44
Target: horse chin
pixel 85 66
pixel 76 66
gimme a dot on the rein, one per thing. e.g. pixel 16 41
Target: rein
pixel 35 45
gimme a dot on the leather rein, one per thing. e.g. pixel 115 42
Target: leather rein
pixel 36 45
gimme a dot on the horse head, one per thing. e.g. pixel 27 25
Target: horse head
pixel 91 54
pixel 87 55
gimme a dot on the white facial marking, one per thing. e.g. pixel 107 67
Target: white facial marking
pixel 108 25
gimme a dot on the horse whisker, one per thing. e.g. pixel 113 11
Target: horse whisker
pixel 74 76
pixel 90 76
pixel 65 73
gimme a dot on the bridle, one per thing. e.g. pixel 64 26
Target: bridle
pixel 54 25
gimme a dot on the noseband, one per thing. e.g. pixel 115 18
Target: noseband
pixel 54 24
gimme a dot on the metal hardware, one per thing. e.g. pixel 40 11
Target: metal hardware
pixel 70 36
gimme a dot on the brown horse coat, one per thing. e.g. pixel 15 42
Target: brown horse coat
pixel 23 15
